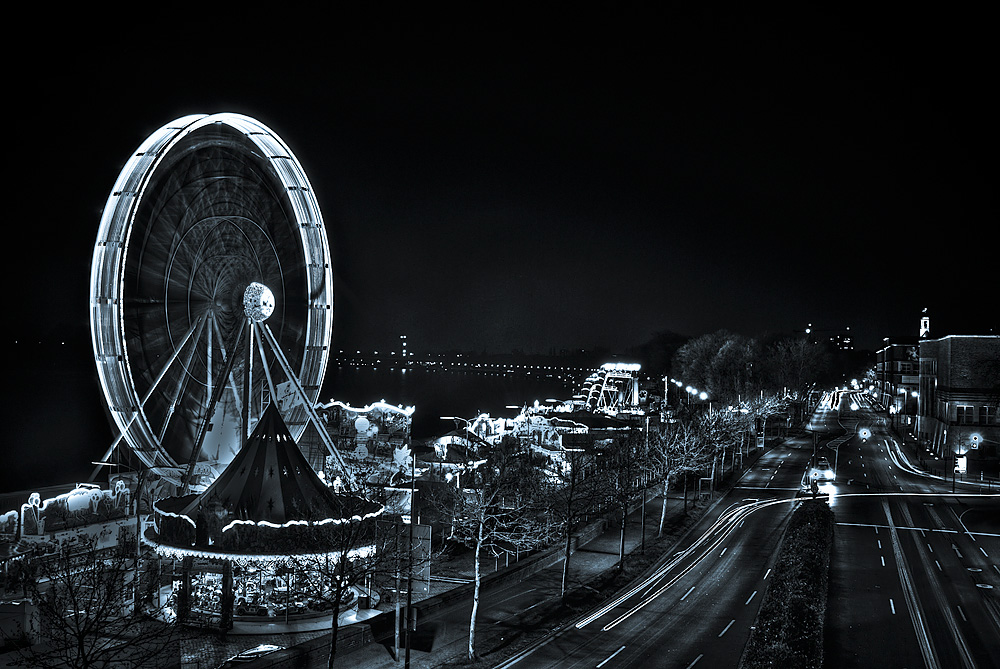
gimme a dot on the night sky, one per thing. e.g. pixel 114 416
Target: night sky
pixel 567 188
pixel 485 192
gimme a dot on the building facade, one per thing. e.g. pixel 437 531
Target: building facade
pixel 959 394
pixel 897 380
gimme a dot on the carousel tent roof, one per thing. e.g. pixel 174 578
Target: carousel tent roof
pixel 270 480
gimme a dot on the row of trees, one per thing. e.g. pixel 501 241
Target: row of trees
pixel 730 366
pixel 514 498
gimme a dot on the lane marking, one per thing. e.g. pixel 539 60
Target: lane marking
pixel 891 605
pixel 695 661
pixel 608 658
pixel 726 629
pixel 751 598
pixel 687 593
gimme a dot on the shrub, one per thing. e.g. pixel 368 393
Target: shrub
pixel 789 629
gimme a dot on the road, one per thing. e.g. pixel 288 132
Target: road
pixel 696 607
pixel 916 568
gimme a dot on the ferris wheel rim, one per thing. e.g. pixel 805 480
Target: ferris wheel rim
pixel 108 314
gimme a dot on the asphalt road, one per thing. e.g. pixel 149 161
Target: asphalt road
pixel 696 607
pixel 915 569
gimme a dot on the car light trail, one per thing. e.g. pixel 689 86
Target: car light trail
pixel 726 524
pixel 608 658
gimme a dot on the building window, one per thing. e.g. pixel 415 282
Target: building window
pixel 966 415
pixel 989 415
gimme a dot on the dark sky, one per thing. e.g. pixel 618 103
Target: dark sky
pixel 565 189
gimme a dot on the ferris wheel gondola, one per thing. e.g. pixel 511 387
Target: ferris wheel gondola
pixel 211 223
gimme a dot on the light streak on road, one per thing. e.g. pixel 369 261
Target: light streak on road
pixel 727 523
pixel 608 658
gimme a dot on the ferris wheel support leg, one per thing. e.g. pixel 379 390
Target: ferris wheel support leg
pixel 232 382
pixel 320 428
pixel 216 395
pixel 180 387
pixel 247 386
pixel 267 371
pixel 163 372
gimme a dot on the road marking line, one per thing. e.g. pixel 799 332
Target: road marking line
pixel 608 658
pixel 962 613
pixel 726 629
pixel 984 552
pixel 751 598
pixel 883 560
pixel 938 565
pixel 930 548
pixel 695 661
pixel 892 606
pixel 687 593
pixel 723 551
pixel 769 571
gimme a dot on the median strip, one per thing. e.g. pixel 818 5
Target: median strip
pixel 789 628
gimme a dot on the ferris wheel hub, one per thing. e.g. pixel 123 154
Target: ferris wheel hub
pixel 258 302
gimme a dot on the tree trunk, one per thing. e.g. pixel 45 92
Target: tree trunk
pixel 663 507
pixel 475 596
pixel 565 570
pixel 621 543
pixel 338 590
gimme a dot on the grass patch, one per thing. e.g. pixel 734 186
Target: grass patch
pixel 789 628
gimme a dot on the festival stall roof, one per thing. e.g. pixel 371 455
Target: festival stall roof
pixel 270 480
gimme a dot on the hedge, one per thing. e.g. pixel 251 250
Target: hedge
pixel 789 628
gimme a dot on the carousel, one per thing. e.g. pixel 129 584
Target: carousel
pixel 262 543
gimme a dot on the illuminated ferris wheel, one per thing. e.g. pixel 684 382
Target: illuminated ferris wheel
pixel 211 292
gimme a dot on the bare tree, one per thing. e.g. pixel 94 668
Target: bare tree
pixel 625 466
pixel 356 550
pixel 85 600
pixel 496 507
pixel 572 492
